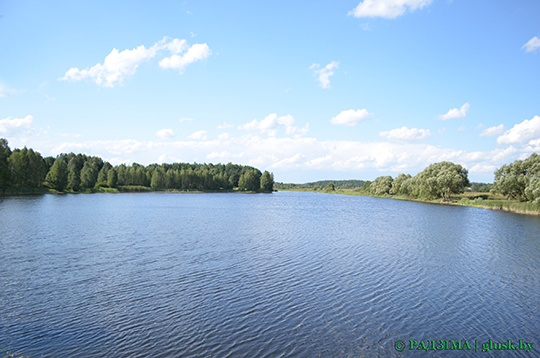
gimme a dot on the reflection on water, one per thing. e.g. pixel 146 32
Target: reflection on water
pixel 282 274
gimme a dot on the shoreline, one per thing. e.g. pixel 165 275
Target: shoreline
pixel 501 205
pixel 43 191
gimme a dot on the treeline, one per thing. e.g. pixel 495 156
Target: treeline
pixel 26 168
pixel 519 180
pixel 322 184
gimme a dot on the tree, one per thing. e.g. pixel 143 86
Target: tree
pixel 88 175
pixel 58 175
pixel 74 178
pixel 397 185
pixel 513 179
pixel 102 177
pixel 440 180
pixel 330 186
pixel 250 180
pixel 381 185
pixel 112 178
pixel 5 172
pixel 267 182
pixel 158 179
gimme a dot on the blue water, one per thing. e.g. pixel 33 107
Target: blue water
pixel 287 274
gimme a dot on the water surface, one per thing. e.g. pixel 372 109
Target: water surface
pixel 287 274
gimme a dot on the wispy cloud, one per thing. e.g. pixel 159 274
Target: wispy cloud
pixel 272 123
pixel 185 119
pixel 456 113
pixel 7 92
pixel 405 134
pixel 225 125
pixel 387 8
pixel 532 45
pixel 199 135
pixel 351 117
pixel 493 131
pixel 323 74
pixel 165 133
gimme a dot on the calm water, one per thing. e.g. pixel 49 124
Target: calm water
pixel 263 275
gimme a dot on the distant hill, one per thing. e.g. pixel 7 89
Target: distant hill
pixel 343 184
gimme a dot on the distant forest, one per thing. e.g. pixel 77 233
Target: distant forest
pixel 323 184
pixel 26 168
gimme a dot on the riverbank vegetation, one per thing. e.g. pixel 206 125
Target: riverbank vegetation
pixel 25 171
pixel 516 187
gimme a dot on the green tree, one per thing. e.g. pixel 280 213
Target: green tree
pixel 158 179
pixel 250 180
pixel 5 172
pixel 330 186
pixel 74 178
pixel 513 179
pixel 102 177
pixel 58 175
pixel 88 175
pixel 267 182
pixel 440 180
pixel 112 178
pixel 397 185
pixel 381 185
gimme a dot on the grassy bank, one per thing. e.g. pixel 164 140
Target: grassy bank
pixel 472 199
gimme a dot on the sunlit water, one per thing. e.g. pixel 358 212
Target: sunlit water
pixel 262 275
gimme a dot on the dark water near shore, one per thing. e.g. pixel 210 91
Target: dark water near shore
pixel 286 274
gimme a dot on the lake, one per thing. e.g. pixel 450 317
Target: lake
pixel 287 274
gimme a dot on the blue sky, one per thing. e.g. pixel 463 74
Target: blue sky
pixel 308 90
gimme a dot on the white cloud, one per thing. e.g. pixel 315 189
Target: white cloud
pixel 184 119
pixel 272 123
pixel 532 45
pixel 351 117
pixel 13 126
pixel 165 133
pixel 493 131
pixel 461 128
pixel 483 168
pixel 296 154
pixel 199 135
pixel 456 113
pixel 194 53
pixel 386 8
pixel 441 131
pixel 324 73
pixel 225 125
pixel 119 65
pixel 522 132
pixel 405 134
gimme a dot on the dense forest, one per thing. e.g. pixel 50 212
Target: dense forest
pixel 26 168
pixel 322 184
